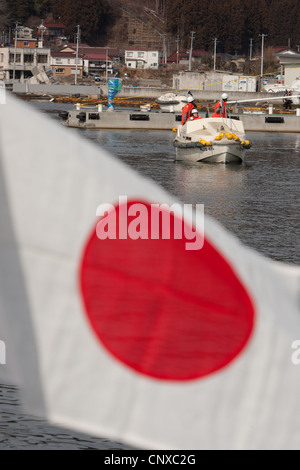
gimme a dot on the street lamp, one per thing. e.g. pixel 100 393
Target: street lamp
pixel 42 29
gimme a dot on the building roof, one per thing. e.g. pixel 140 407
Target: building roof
pixel 288 53
pixel 96 56
pixel 64 54
pixel 197 52
pixel 54 25
pixel 140 49
pixel 26 39
pixel 181 55
pixel 185 55
pixel 277 49
pixel 73 45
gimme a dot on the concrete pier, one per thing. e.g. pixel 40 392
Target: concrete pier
pixel 170 121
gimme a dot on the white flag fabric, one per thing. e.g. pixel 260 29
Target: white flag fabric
pixel 141 340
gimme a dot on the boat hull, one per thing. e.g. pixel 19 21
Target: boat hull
pixel 213 140
pixel 232 153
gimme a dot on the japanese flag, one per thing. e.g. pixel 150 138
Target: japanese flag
pixel 133 338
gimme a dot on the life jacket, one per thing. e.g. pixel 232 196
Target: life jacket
pixel 218 108
pixel 186 112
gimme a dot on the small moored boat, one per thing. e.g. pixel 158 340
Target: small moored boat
pixel 214 140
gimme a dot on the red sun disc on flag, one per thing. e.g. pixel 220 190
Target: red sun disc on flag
pixel 162 310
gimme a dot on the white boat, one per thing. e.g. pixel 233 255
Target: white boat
pixel 294 89
pixel 214 140
pixel 171 102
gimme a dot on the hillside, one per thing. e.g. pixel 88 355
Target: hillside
pixel 145 23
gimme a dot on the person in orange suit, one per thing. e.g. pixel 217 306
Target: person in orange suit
pixel 220 108
pixel 194 115
pixel 187 110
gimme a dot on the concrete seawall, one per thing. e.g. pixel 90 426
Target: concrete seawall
pixel 131 92
pixel 169 121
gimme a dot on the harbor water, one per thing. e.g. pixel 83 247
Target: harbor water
pixel 257 200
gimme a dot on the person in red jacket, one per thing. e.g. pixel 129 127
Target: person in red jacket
pixel 220 108
pixel 194 115
pixel 187 110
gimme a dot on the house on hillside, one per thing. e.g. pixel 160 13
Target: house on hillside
pixel 25 32
pixel 142 58
pixel 182 58
pixel 63 64
pixel 96 59
pixel 289 61
pixel 54 33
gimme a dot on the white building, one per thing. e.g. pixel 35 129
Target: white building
pixel 21 61
pixel 290 66
pixel 142 58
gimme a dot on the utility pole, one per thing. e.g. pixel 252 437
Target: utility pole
pixel 106 66
pixel 15 52
pixel 177 51
pixel 215 53
pixel 191 50
pixel 77 47
pixel 165 49
pixel 251 45
pixel 262 55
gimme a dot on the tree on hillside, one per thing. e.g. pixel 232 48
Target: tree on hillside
pixel 4 14
pixel 20 10
pixel 93 16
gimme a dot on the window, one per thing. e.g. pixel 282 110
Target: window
pixel 42 59
pixel 154 54
pixel 140 54
pixel 1 57
pixel 58 70
pixel 26 43
pixel 58 61
pixel 28 58
pixel 11 58
pixel 129 54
